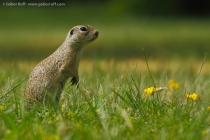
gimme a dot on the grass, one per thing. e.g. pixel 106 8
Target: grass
pixel 111 103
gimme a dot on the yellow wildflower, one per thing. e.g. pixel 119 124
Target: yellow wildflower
pixel 193 96
pixel 1 108
pixel 151 90
pixel 208 108
pixel 53 137
pixel 8 131
pixel 173 85
pixel 204 132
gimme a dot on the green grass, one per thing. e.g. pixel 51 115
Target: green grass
pixel 110 103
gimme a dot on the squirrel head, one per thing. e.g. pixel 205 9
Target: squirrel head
pixel 80 35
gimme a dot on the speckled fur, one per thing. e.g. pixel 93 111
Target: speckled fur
pixel 49 76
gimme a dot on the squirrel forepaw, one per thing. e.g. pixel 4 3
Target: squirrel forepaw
pixel 74 81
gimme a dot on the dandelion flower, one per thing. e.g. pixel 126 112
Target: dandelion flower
pixel 193 96
pixel 208 108
pixel 173 85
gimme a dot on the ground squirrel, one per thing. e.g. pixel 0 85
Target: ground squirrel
pixel 48 78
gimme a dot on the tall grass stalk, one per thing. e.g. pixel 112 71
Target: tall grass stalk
pixel 199 73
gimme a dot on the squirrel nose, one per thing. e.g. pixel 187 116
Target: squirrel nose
pixel 96 33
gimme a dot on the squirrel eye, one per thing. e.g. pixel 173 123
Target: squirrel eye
pixel 83 29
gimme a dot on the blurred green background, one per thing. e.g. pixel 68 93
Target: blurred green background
pixel 164 28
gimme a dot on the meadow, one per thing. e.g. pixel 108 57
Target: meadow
pixel 112 102
pixel 125 95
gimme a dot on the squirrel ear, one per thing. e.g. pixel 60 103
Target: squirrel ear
pixel 71 32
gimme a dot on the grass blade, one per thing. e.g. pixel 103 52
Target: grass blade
pixel 12 88
pixel 121 97
pixel 145 57
pixel 199 73
pixel 92 108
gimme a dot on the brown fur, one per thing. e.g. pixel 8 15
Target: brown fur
pixel 48 78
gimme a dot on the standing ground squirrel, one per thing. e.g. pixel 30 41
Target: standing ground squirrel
pixel 48 78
